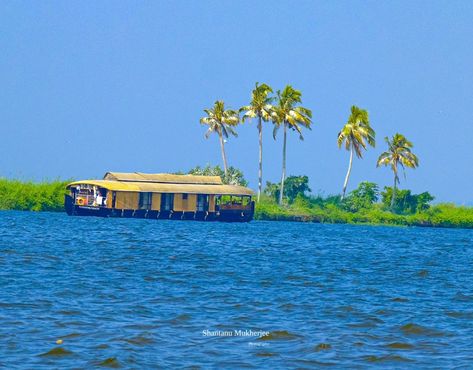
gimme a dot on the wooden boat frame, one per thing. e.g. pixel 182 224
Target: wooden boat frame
pixel 160 196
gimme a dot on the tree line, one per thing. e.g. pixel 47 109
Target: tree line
pixel 284 110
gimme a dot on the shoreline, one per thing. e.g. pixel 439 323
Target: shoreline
pixel 437 216
pixel 49 196
pixel 315 221
pixel 305 219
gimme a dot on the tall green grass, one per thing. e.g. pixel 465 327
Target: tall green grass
pixel 442 215
pixel 31 196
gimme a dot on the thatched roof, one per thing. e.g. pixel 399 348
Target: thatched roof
pixel 154 187
pixel 165 178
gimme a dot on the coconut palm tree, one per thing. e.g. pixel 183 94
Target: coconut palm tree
pixel 398 154
pixel 356 133
pixel 260 106
pixel 222 122
pixel 288 115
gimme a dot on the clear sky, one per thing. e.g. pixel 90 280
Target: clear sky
pixel 87 86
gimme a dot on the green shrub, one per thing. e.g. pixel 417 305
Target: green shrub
pixel 30 196
pixel 294 186
pixel 405 202
pixel 363 197
pixel 234 175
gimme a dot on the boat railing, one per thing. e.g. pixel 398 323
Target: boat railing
pixel 90 200
pixel 234 206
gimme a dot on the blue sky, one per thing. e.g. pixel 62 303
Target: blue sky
pixel 88 87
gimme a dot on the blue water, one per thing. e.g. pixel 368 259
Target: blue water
pixel 141 293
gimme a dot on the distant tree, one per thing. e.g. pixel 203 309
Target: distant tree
pixel 321 201
pixel 288 115
pixel 295 186
pixel 355 135
pixel 222 122
pixel 398 154
pixel 405 201
pixel 233 177
pixel 423 200
pixel 363 197
pixel 272 190
pixel 260 106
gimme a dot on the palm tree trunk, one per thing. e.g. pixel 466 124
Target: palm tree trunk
pixel 283 177
pixel 224 157
pixel 260 170
pixel 394 191
pixel 348 173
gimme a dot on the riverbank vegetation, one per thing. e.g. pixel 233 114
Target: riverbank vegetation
pixel 32 196
pixel 364 205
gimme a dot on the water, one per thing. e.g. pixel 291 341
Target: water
pixel 141 293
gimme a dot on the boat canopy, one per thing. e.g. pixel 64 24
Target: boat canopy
pixel 163 178
pixel 165 183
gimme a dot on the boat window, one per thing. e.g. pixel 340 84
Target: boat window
pixel 145 201
pixel 184 196
pixel 202 202
pixel 231 200
pixel 167 201
pixel 85 195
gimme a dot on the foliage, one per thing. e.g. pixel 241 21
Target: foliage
pixel 320 209
pixel 361 207
pixel 220 120
pixel 446 215
pixel 398 154
pixel 260 105
pixel 30 196
pixel 322 202
pixel 233 177
pixel 272 190
pixel 423 200
pixel 363 197
pixel 405 202
pixel 357 132
pixel 286 112
pixel 294 186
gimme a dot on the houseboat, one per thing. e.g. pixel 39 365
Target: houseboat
pixel 160 196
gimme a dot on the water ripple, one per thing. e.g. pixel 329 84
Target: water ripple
pixel 119 293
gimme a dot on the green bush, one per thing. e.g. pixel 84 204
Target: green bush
pixel 405 202
pixel 30 196
pixel 331 210
pixel 363 197
pixel 294 186
pixel 234 175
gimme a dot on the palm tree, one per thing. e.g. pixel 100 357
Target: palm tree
pixel 355 134
pixel 260 107
pixel 222 122
pixel 289 116
pixel 398 153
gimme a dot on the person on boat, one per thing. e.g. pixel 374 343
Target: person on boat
pixel 98 198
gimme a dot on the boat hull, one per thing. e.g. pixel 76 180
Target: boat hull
pixel 224 216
